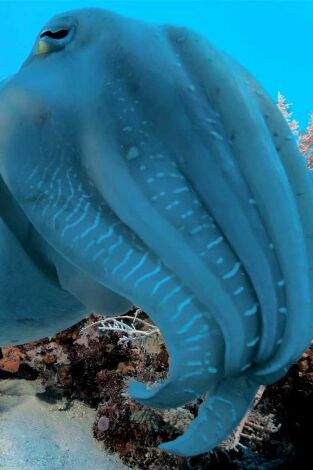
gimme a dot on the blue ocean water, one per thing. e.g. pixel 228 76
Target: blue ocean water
pixel 271 38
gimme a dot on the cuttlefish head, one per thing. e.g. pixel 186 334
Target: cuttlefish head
pixel 140 165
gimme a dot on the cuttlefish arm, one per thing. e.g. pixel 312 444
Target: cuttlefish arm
pixel 245 111
pixel 218 416
pixel 86 234
pixel 299 324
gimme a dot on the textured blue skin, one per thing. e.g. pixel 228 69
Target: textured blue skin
pixel 139 164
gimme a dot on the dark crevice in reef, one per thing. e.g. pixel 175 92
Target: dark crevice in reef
pixel 94 367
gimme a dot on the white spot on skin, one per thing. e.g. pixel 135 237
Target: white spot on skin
pixel 194 363
pixel 216 135
pixel 214 242
pixel 239 290
pixel 253 342
pixel 132 153
pixel 187 214
pixel 181 190
pixel 251 311
pixel 232 272
pixel 196 229
pixel 173 204
pixel 156 196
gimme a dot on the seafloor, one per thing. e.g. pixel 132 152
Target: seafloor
pixel 92 368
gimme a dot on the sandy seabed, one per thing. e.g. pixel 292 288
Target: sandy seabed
pixel 37 435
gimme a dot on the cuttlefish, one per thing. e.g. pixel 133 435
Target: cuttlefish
pixel 141 165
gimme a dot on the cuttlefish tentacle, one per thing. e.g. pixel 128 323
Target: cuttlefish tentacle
pixel 113 256
pixel 225 131
pixel 169 192
pixel 211 168
pixel 267 179
pixel 180 251
pixel 191 336
pixel 299 323
pixel 218 416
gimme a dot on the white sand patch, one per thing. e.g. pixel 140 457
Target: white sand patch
pixel 36 435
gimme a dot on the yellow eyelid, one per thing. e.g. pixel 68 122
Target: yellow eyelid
pixel 42 48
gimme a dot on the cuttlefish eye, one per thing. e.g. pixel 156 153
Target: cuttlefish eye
pixel 53 39
pixel 60 34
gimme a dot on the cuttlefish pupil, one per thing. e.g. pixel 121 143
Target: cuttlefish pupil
pixel 138 166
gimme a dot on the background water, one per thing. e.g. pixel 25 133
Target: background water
pixel 271 37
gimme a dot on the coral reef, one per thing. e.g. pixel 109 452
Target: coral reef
pixel 94 367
